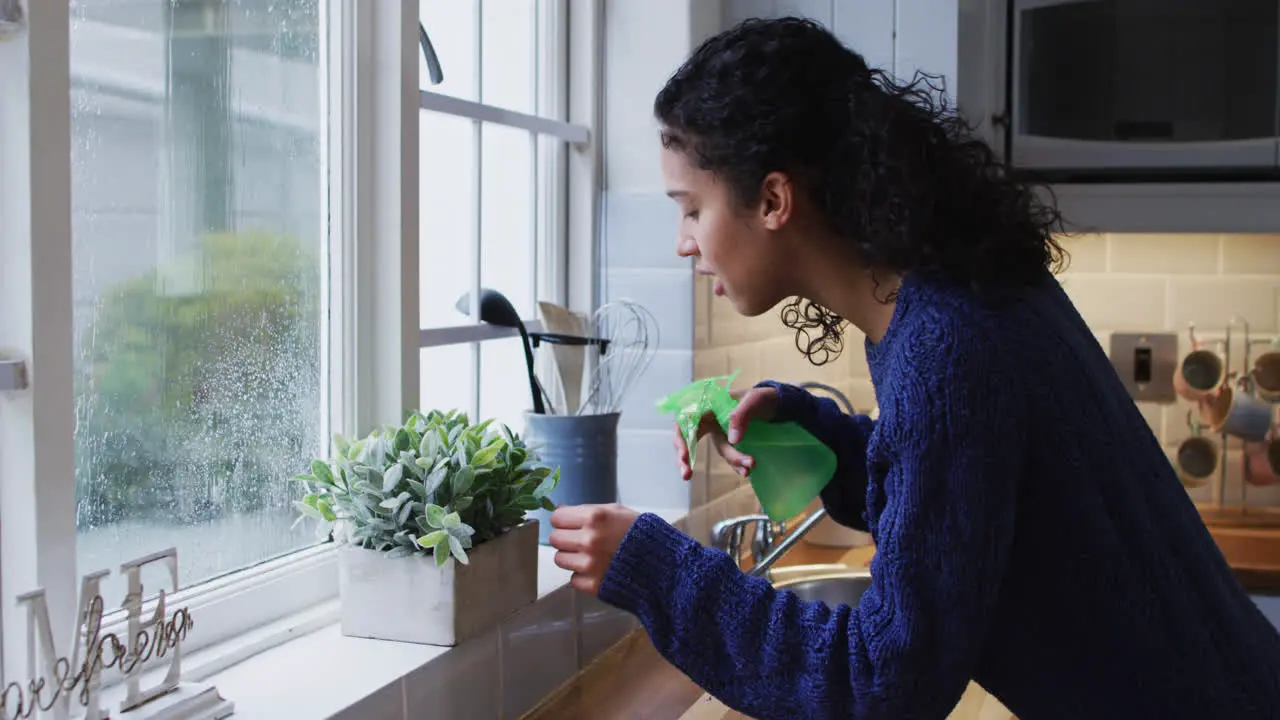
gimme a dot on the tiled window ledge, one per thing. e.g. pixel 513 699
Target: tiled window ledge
pixel 502 674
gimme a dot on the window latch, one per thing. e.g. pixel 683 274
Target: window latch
pixel 434 71
pixel 13 374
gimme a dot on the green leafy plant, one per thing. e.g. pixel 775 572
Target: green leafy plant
pixel 436 484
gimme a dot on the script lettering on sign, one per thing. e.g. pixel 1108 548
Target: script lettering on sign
pixel 78 672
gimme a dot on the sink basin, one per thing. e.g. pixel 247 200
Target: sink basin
pixel 831 588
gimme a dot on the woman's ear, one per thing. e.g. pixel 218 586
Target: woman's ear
pixel 777 200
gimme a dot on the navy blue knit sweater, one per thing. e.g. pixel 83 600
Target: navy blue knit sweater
pixel 1030 535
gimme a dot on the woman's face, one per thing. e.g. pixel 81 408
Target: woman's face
pixel 740 247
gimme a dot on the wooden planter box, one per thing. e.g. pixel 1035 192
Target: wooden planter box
pixel 409 599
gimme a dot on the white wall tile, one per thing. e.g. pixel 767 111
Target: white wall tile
pixel 867 27
pixel 668 372
pixel 668 294
pixel 735 11
pixel 458 684
pixel 645 42
pixel 818 10
pixel 640 231
pixel 647 473
pixel 705 20
pixel 927 36
pixel 539 652
pixel 1213 302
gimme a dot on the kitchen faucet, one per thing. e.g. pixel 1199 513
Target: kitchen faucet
pixel 770 543
pixel 771 540
pixel 840 397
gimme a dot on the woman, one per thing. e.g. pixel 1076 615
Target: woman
pixel 1030 532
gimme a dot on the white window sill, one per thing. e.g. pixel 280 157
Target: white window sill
pixel 320 673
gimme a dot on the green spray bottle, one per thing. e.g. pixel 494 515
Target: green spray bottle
pixel 791 465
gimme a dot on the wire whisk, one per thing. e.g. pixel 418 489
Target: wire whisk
pixel 632 335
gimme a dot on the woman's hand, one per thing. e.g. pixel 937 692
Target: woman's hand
pixel 759 403
pixel 586 538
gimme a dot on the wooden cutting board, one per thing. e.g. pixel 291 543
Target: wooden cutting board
pixel 976 704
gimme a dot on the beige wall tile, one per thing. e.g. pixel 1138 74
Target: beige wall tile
pixel 1104 340
pixel 746 361
pixel 1251 254
pixel 700 483
pixel 1119 282
pixel 1213 302
pixel 723 482
pixel 701 312
pixel 710 362
pixel 1088 251
pixel 1162 254
pixel 698 524
pixel 1174 422
pixel 1119 303
pixel 730 328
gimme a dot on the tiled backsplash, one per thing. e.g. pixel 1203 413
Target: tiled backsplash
pixel 641 264
pixel 1126 282
pixel 1163 282
pixel 760 348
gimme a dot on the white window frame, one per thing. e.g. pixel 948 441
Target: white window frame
pixel 554 120
pixel 373 105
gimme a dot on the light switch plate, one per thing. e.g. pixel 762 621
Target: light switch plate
pixel 1145 363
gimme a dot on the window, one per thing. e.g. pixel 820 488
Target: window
pixel 492 142
pixel 184 288
pixel 199 242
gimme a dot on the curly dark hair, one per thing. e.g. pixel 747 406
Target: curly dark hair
pixel 893 168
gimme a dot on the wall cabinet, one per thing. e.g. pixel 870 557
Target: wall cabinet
pixel 964 42
pixel 898 36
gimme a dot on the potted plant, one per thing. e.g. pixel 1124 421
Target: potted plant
pixel 436 546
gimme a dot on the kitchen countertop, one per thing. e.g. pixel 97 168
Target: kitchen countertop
pixel 632 681
pixel 976 704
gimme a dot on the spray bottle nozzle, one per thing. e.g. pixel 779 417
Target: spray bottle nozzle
pixel 692 402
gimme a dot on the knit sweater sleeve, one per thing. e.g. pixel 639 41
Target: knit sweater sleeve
pixel 910 646
pixel 845 497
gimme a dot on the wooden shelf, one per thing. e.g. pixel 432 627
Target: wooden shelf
pixel 1250 541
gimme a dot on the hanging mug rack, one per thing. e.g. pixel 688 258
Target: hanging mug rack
pixel 1231 402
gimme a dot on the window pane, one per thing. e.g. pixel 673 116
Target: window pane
pixel 510 62
pixel 453 28
pixel 448 378
pixel 198 247
pixel 446 217
pixel 508 252
pixel 503 34
pixel 504 382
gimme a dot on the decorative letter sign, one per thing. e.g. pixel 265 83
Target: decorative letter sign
pixel 66 676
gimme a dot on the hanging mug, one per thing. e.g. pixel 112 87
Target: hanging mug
pixel 1237 413
pixel 1199 374
pixel 1266 374
pixel 1197 457
pixel 1262 461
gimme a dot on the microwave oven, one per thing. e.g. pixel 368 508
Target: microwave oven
pixel 1144 90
